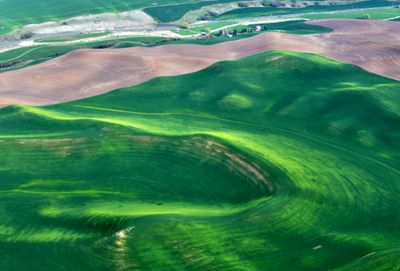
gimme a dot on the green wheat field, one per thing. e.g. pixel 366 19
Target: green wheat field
pixel 278 161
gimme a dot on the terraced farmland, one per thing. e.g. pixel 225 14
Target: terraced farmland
pixel 278 161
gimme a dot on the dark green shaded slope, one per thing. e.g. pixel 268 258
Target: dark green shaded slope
pixel 279 161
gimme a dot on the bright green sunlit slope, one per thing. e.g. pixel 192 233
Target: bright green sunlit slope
pixel 279 161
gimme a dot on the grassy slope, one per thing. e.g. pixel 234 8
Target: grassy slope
pixel 15 13
pixel 267 11
pixel 170 13
pixel 169 174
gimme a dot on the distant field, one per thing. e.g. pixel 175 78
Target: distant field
pixel 374 14
pixel 15 13
pixel 279 161
pixel 170 13
pixel 296 27
pixel 291 27
pixel 267 11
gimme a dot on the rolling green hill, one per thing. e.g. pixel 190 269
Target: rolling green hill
pixel 278 161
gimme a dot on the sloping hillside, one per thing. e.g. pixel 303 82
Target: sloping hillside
pixel 278 161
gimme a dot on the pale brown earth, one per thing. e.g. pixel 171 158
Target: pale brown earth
pixel 372 45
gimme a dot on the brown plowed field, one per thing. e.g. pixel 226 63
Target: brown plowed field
pixel 372 45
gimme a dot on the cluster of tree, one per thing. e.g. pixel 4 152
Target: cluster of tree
pixel 106 45
pixel 9 64
pixel 293 3
pixel 208 16
pixel 235 32
pixel 26 35
pixel 16 63
pixel 184 25
pixel 120 44
pixel 272 3
pixel 165 40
